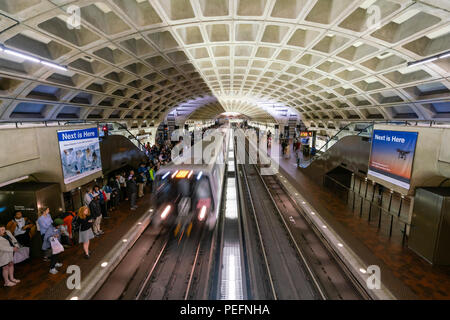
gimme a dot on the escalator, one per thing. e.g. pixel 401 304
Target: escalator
pixel 351 152
pixel 348 150
pixel 117 151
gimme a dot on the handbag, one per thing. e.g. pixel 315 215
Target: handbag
pixel 57 247
pixel 21 255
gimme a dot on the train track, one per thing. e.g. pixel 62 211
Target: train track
pixel 174 273
pixel 293 253
pixel 287 271
pixel 165 268
pixel 337 281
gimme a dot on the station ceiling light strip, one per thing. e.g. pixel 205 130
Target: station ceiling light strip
pixel 429 59
pixel 32 59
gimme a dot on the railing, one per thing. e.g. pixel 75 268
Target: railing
pixel 118 126
pixel 360 198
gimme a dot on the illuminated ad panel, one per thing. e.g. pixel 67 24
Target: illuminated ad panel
pixel 80 153
pixel 392 156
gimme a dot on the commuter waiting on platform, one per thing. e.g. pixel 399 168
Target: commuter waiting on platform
pixel 84 221
pixel 102 201
pixel 141 181
pixel 88 196
pixel 44 220
pixel 96 214
pixel 68 219
pixel 51 242
pixel 132 190
pixel 22 228
pixel 8 246
pixel 110 195
pixel 151 172
pixel 118 187
pixel 123 186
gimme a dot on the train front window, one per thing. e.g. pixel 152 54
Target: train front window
pixel 203 191
pixel 169 190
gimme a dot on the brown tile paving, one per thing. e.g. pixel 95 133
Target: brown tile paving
pixel 38 283
pixel 424 280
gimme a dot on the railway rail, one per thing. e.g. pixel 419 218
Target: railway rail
pixel 294 258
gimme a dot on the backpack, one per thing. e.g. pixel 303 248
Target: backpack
pixel 76 224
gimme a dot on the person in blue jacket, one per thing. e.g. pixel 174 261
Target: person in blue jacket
pixel 53 232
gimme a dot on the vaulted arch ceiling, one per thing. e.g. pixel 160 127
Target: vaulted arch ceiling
pixel 137 60
pixel 251 111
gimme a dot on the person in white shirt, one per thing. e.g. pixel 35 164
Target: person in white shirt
pixel 88 196
pixel 20 227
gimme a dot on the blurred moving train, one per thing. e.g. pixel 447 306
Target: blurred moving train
pixel 192 191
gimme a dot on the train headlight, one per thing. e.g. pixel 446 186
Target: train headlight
pixel 202 213
pixel 166 211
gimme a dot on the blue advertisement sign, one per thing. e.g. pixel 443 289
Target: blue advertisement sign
pixel 392 156
pixel 80 153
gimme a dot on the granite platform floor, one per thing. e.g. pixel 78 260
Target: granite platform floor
pixel 36 281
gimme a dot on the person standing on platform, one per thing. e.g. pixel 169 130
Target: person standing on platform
pixel 141 181
pixel 85 221
pixel 123 186
pixel 44 220
pixel 96 214
pixel 102 200
pixel 21 227
pixel 53 233
pixel 88 196
pixel 132 190
pixel 118 188
pixel 151 172
pixel 8 246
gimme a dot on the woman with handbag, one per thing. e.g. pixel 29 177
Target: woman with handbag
pixel 8 246
pixel 51 243
pixel 85 221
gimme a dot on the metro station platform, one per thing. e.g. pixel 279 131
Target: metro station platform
pixel 406 274
pixel 38 284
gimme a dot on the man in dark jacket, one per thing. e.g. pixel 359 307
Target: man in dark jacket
pixel 96 214
pixel 132 190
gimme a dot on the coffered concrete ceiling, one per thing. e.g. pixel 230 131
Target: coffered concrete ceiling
pixel 138 60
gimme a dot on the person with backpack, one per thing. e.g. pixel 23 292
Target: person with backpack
pixel 96 214
pixel 68 217
pixel 102 201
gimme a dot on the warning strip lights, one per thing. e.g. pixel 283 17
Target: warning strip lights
pixel 165 212
pixel 190 174
pixel 174 174
pixel 199 175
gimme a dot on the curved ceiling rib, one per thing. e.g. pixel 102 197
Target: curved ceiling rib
pixel 138 60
